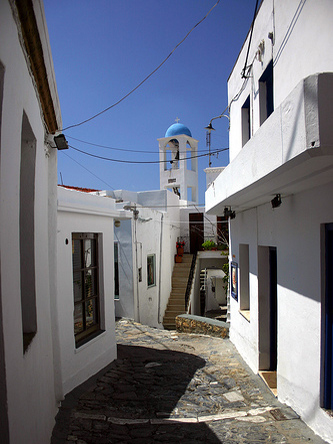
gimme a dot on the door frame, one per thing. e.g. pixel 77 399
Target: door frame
pixel 196 229
pixel 267 305
pixel 327 320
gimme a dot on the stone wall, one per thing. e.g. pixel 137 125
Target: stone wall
pixel 200 325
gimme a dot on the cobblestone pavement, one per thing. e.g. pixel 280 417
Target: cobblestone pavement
pixel 167 387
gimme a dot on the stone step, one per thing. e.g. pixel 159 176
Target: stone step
pixel 177 285
pixel 179 290
pixel 181 271
pixel 171 314
pixel 170 326
pixel 181 268
pixel 187 257
pixel 180 278
pixel 174 312
pixel 184 263
pixel 176 305
pixel 176 301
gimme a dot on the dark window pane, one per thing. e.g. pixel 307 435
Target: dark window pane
pixel 88 284
pixel 77 285
pixel 78 318
pixel 116 271
pixel 90 253
pixel 85 285
pixel 87 253
pixel 77 254
pixel 91 313
pixel 93 252
pixel 151 270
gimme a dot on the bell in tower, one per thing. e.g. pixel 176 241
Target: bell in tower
pixel 179 162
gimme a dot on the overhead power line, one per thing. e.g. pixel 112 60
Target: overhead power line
pixel 244 74
pixel 146 78
pixel 87 170
pixel 142 161
pixel 121 149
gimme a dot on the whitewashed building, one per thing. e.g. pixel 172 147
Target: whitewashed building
pixel 144 249
pixel 85 285
pixel 29 117
pixel 158 219
pixel 279 183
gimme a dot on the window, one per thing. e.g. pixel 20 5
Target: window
pixel 246 121
pixel 151 272
pixel 27 233
pixel 266 99
pixel 244 275
pixel 116 270
pixel 85 286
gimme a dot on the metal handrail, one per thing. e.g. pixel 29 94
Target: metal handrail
pixel 190 279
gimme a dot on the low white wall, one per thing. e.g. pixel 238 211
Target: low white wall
pixel 294 229
pixel 83 213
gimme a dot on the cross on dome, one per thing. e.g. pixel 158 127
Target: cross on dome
pixel 177 119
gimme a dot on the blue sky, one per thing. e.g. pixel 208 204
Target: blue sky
pixel 103 49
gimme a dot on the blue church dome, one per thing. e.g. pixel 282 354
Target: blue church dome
pixel 177 129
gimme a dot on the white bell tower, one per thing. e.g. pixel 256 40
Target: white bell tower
pixel 179 162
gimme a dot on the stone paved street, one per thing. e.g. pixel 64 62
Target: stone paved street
pixel 168 387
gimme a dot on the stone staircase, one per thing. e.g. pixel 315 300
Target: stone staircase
pixel 176 303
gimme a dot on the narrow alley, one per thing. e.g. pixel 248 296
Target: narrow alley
pixel 169 387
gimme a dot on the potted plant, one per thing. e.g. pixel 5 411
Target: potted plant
pixel 180 248
pixel 209 245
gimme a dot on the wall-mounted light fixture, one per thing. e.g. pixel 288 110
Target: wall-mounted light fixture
pixel 276 201
pixel 61 142
pixel 209 129
pixel 117 223
pixel 229 213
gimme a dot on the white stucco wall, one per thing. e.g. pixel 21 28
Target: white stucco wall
pixel 294 230
pixel 123 235
pixel 181 174
pixel 30 376
pixel 302 35
pixel 157 231
pixel 289 154
pixel 153 232
pixel 84 213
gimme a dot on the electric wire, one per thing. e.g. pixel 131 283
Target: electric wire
pixel 244 75
pixel 119 149
pixel 145 79
pixel 88 170
pixel 237 96
pixel 143 161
